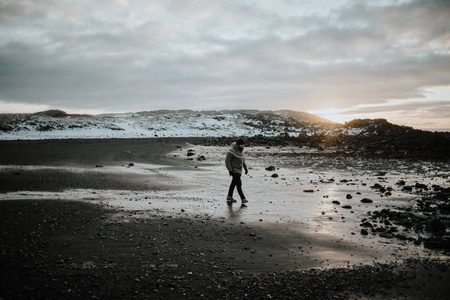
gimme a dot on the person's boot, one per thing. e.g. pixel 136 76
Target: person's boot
pixel 231 199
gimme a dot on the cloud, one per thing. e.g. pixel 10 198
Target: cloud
pixel 137 55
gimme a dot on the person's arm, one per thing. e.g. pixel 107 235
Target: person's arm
pixel 228 162
pixel 244 165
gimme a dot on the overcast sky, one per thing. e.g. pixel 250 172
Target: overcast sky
pixel 338 59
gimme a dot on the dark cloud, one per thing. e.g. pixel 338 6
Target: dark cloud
pixel 137 55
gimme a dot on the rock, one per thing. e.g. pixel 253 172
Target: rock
pixel 444 209
pixel 421 186
pixel 274 175
pixel 435 243
pixel 308 191
pixel 366 200
pixel 201 158
pixel 190 152
pixel 401 182
pixel 367 224
pixel 407 188
pixel 270 168
pixel 401 237
pixel 376 186
pixel 436 226
pixel 336 202
pixel 386 235
pixel 347 207
pixel 364 232
pixel 349 196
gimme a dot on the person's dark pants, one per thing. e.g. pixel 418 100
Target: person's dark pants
pixel 236 182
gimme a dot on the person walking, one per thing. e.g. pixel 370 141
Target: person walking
pixel 234 162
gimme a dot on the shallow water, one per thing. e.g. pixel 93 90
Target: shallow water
pixel 299 202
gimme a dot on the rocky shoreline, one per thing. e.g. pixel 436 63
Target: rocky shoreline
pixel 61 249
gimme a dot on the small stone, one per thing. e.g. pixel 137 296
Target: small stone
pixel 366 200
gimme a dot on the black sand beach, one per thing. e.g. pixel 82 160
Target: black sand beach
pixel 60 249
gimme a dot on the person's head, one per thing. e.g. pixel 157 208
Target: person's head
pixel 240 142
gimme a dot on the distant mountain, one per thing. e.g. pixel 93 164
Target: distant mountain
pixel 369 137
pixel 161 123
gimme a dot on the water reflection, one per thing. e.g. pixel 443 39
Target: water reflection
pixel 235 213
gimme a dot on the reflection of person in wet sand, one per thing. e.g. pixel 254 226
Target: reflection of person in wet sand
pixel 235 162
pixel 236 213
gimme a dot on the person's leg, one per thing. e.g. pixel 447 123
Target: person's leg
pixel 238 183
pixel 231 189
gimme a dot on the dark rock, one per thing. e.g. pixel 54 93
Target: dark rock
pixel 364 232
pixel 367 224
pixel 274 175
pixel 444 209
pixel 336 202
pixel 366 200
pixel 436 226
pixel 421 186
pixel 401 237
pixel 437 243
pixel 347 207
pixel 349 196
pixel 308 191
pixel 386 235
pixel 270 168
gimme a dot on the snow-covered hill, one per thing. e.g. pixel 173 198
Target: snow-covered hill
pixel 56 124
pixel 365 137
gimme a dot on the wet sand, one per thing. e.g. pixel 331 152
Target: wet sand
pixel 118 219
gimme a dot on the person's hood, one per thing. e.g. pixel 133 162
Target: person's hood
pixel 235 146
